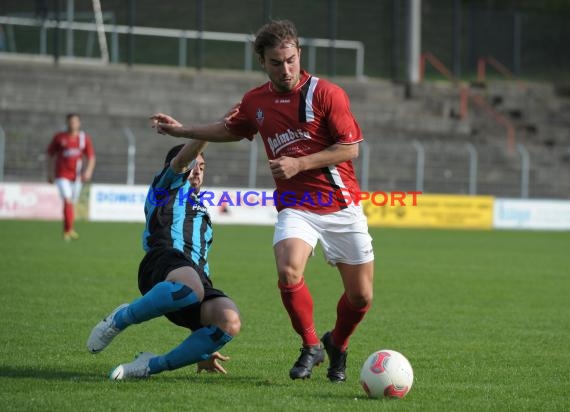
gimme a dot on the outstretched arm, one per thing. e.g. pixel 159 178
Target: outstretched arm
pixel 287 167
pixel 189 152
pixel 214 132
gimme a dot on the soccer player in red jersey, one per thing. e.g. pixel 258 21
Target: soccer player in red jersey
pixel 310 137
pixel 66 153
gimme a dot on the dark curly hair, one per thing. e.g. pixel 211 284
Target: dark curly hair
pixel 273 34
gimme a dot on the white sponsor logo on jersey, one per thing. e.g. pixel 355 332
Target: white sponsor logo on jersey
pixel 282 140
pixel 71 152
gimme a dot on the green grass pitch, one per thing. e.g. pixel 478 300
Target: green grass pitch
pixel 484 318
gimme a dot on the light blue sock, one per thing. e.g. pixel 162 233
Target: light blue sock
pixel 195 348
pixel 163 298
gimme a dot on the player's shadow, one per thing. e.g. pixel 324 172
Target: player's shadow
pixel 46 373
pixel 227 380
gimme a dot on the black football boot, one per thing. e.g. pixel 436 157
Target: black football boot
pixel 337 358
pixel 310 357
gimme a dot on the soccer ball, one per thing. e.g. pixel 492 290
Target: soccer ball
pixel 386 373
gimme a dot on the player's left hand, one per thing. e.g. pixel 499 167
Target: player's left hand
pixel 212 365
pixel 85 177
pixel 284 167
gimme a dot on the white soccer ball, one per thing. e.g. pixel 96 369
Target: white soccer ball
pixel 386 373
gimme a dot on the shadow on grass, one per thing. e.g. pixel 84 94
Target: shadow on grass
pixel 68 375
pixel 347 397
pixel 217 379
pixel 48 374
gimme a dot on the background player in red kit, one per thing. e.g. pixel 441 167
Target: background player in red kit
pixel 310 137
pixel 66 153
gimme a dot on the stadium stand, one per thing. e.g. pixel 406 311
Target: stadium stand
pixel 35 95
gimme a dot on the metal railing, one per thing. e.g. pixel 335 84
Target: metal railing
pixel 2 152
pixel 472 168
pixel 365 170
pixel 131 154
pixel 183 36
pixel 465 96
pixel 525 170
pixel 420 165
pixel 500 68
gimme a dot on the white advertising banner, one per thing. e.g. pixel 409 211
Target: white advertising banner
pixel 225 205
pixel 531 214
pixel 240 206
pixel 117 203
pixel 30 201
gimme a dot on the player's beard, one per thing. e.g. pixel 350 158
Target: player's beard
pixel 286 86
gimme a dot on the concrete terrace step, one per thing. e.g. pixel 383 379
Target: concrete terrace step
pixel 34 97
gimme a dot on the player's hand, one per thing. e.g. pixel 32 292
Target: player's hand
pixel 284 167
pixel 213 365
pixel 164 119
pixel 165 124
pixel 50 179
pixel 86 177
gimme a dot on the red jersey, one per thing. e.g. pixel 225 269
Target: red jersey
pixel 69 151
pixel 306 120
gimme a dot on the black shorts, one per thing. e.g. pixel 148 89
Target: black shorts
pixel 154 268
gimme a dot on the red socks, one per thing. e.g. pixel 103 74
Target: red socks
pixel 347 318
pixel 299 304
pixel 67 217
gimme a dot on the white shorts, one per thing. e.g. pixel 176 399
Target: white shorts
pixel 344 234
pixel 69 189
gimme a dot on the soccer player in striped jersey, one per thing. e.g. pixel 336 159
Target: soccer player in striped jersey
pixel 174 276
pixel 310 138
pixel 65 155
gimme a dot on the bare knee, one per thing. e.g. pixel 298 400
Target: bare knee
pixel 230 322
pixel 289 275
pixel 223 313
pixel 358 283
pixel 291 256
pixel 360 299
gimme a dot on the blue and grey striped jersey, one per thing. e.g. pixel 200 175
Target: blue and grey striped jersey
pixel 175 218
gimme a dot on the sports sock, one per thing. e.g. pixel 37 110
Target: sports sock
pixel 67 216
pixel 195 348
pixel 163 298
pixel 348 317
pixel 299 304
